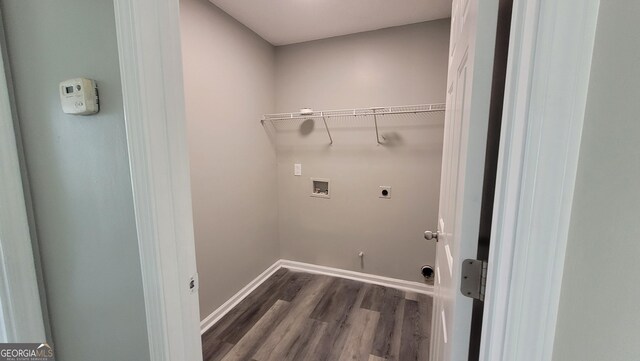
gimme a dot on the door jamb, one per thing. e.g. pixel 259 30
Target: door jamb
pixel 545 97
pixel 22 318
pixel 148 33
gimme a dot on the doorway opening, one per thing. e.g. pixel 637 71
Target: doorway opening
pixel 317 147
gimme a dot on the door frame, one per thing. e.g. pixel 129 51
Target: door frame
pixel 545 99
pixel 148 33
pixel 22 317
pixel 550 58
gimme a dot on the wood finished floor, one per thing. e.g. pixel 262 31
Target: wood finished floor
pixel 300 316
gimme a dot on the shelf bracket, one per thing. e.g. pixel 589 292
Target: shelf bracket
pixel 327 128
pixel 375 122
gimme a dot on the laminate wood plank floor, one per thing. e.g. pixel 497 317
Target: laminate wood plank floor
pixel 303 317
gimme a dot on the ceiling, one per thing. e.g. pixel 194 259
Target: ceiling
pixel 283 22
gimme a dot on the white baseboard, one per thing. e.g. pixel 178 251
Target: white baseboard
pixel 359 276
pixel 216 315
pixel 403 285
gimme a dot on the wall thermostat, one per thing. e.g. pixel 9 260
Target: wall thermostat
pixel 79 96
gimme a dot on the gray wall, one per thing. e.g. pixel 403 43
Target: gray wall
pixel 79 176
pixel 229 82
pixel 599 317
pixel 396 66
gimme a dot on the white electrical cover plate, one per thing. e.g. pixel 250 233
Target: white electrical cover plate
pixel 297 169
pixel 385 192
pixel 79 96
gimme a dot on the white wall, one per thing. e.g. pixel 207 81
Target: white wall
pixel 396 66
pixel 79 175
pixel 229 83
pixel 599 316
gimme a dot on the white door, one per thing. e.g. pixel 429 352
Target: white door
pixel 473 29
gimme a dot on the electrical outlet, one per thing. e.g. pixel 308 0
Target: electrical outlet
pixel 385 192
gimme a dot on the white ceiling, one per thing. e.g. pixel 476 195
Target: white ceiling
pixel 282 22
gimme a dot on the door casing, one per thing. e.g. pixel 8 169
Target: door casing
pixel 550 50
pixel 22 318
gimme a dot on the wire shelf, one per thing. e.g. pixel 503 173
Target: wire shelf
pixel 356 112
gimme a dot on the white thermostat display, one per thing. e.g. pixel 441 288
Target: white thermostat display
pixel 79 96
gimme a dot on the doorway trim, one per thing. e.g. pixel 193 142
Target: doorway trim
pixel 22 318
pixel 148 33
pixel 545 97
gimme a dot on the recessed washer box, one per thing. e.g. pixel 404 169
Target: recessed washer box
pixel 320 188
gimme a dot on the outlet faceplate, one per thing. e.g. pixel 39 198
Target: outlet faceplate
pixel 384 192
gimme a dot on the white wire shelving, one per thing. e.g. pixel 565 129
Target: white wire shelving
pixel 373 112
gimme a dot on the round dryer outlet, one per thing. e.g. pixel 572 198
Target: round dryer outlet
pixel 427 272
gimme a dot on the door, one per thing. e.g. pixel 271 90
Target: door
pixel 473 29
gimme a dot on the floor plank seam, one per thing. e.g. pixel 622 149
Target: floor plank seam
pixel 302 316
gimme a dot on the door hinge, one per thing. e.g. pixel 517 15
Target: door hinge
pixel 474 278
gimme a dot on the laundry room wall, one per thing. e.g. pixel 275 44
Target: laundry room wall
pixel 403 65
pixel 229 83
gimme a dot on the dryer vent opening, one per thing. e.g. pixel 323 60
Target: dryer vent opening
pixel 427 272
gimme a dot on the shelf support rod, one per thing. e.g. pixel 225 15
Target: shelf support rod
pixel 375 122
pixel 327 128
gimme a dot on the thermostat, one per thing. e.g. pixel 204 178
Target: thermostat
pixel 79 96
